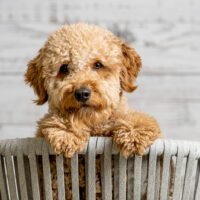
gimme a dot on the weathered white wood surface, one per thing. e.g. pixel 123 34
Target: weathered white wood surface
pixel 165 33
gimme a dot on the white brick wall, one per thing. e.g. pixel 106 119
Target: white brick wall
pixel 165 33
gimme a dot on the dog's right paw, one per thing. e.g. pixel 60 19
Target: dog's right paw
pixel 67 144
pixel 72 146
pixel 57 143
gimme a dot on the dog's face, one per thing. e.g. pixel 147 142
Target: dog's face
pixel 83 68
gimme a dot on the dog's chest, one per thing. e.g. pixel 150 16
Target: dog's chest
pixel 103 129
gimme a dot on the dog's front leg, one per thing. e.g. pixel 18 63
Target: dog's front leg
pixel 64 136
pixel 135 131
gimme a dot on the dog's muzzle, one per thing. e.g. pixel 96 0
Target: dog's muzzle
pixel 82 94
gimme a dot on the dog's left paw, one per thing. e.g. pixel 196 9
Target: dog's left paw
pixel 132 139
pixel 128 142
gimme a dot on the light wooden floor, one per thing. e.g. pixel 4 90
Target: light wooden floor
pixel 165 33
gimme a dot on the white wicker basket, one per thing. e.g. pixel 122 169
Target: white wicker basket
pixel 132 177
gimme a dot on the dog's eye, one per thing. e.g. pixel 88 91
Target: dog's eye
pixel 64 69
pixel 97 65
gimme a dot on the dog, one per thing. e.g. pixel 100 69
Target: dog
pixel 83 72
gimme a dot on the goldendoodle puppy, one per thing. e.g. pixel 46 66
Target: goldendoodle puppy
pixel 82 72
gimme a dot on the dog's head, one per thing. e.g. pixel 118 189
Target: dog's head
pixel 83 68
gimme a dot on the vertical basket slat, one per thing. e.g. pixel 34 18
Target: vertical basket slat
pixel 152 173
pixel 100 150
pixel 178 184
pixel 33 171
pixel 46 172
pixel 144 175
pixel 10 173
pixel 90 170
pixel 130 166
pixel 21 172
pixel 16 174
pixel 165 171
pixel 22 179
pixel 137 177
pixel 122 177
pixel 28 177
pixel 75 177
pixel 100 145
pixel 3 187
pixel 106 170
pixel 189 173
pixel 157 180
pixel 34 177
pixel 116 177
pixel 60 176
pixel 14 148
pixel 197 184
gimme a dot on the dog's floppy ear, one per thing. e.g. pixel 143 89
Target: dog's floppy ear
pixel 33 77
pixel 130 68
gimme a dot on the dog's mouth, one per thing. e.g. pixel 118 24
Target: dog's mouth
pixel 90 105
pixel 84 105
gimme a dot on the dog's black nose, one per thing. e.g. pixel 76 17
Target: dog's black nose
pixel 82 94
